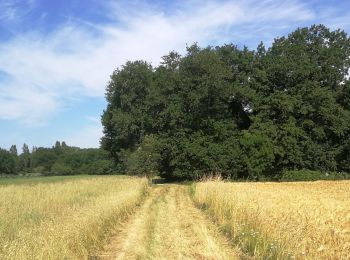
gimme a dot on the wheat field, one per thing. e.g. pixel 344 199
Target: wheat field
pixel 308 220
pixel 74 218
pixel 67 219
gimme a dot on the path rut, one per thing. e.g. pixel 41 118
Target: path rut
pixel 168 226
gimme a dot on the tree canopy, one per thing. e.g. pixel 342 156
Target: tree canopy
pixel 61 159
pixel 234 111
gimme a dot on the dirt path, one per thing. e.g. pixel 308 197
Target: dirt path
pixel 168 226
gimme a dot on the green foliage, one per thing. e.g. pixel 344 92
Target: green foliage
pixel 257 155
pixel 13 150
pixel 235 112
pixel 7 162
pixel 99 167
pixel 61 169
pixel 61 159
pixel 39 170
pixel 24 159
pixel 44 157
pixel 123 119
pixel 308 175
pixel 145 159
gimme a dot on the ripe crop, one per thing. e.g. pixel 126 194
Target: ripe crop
pixel 305 220
pixel 65 219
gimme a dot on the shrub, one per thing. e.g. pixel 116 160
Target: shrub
pixel 39 170
pixel 99 167
pixel 61 169
pixel 309 175
pixel 7 162
pixel 145 159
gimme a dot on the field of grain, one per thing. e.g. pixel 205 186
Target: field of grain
pixel 307 220
pixel 82 217
pixel 66 218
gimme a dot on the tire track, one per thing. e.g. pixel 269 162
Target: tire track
pixel 169 226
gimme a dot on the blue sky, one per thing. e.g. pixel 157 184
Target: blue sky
pixel 56 56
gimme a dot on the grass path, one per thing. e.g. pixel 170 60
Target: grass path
pixel 168 226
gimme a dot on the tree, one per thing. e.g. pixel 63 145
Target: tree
pixel 306 75
pixel 25 149
pixel 70 160
pixel 13 150
pixel 7 162
pixel 233 111
pixel 25 159
pixel 61 169
pixel 44 157
pixel 123 120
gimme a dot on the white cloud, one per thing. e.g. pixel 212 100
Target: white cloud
pixel 77 59
pixel 27 104
pixel 86 137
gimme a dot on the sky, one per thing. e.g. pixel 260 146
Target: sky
pixel 56 57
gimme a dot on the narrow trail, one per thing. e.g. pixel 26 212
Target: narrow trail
pixel 168 226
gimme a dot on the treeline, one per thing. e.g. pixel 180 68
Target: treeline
pixel 251 114
pixel 61 159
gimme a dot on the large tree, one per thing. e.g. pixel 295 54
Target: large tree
pixel 303 107
pixel 124 120
pixel 237 112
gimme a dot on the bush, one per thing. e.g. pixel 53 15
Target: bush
pixel 7 162
pixel 145 159
pixel 338 176
pixel 39 170
pixel 309 175
pixel 99 167
pixel 61 169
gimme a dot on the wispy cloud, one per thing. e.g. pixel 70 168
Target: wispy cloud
pixel 13 11
pixel 76 60
pixel 27 103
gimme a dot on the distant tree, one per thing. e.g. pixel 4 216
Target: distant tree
pixel 44 157
pixel 25 149
pixel 34 148
pixel 98 167
pixel 13 150
pixel 57 145
pixel 7 162
pixel 59 168
pixel 70 160
pixel 25 159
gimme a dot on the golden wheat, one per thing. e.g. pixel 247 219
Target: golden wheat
pixel 309 220
pixel 63 220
